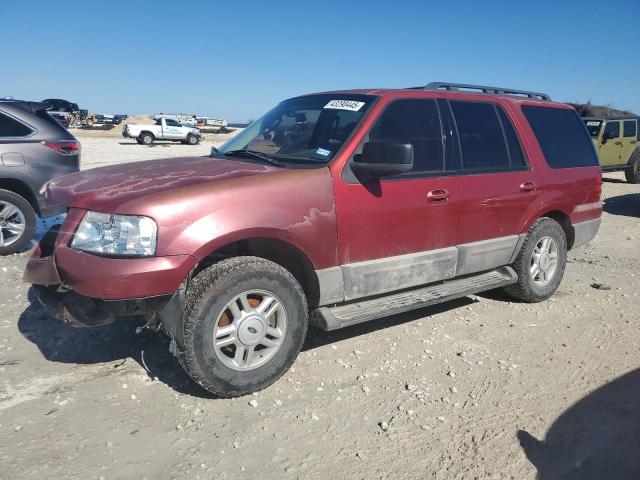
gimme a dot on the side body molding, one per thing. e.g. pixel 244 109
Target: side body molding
pixel 352 281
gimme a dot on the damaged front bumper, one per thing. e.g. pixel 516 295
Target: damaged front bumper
pixel 85 290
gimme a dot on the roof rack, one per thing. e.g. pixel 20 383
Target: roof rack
pixel 484 89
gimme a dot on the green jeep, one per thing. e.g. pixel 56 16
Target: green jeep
pixel 616 140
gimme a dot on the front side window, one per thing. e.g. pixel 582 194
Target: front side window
pixel 562 136
pixel 172 123
pixel 10 127
pixel 629 129
pixel 481 136
pixel 612 130
pixel 417 122
pixel 307 130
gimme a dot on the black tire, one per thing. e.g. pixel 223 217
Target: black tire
pixel 526 289
pixel 206 299
pixel 632 173
pixel 139 141
pixel 193 140
pixel 16 243
pixel 146 138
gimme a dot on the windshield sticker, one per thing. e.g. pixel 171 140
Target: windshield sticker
pixel 351 105
pixel 323 152
pixel 593 124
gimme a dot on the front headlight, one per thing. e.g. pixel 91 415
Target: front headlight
pixel 116 235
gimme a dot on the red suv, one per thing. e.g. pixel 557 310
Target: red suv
pixel 332 209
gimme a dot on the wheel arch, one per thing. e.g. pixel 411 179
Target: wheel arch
pixel 565 222
pixel 21 188
pixel 282 252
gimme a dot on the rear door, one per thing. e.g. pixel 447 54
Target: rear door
pixel 610 147
pixel 629 139
pixel 400 231
pixel 499 190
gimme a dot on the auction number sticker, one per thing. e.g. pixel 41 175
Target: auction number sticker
pixel 593 124
pixel 351 105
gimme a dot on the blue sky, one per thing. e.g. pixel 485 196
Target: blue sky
pixel 235 60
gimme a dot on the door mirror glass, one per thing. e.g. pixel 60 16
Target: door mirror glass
pixel 381 158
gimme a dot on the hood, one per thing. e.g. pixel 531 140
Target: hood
pixel 106 188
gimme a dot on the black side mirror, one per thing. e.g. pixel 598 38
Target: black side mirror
pixel 380 158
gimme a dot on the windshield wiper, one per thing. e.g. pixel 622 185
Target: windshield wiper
pixel 253 154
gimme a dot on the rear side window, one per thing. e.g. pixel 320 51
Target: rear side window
pixel 612 130
pixel 10 127
pixel 562 136
pixel 483 137
pixel 515 149
pixel 629 129
pixel 414 121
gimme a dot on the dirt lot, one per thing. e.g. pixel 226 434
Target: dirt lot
pixel 467 390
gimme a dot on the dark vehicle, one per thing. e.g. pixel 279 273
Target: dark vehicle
pixel 334 208
pixel 34 148
pixel 60 105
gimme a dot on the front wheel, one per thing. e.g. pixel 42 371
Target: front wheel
pixel 541 262
pixel 192 140
pixel 632 173
pixel 17 222
pixel 245 321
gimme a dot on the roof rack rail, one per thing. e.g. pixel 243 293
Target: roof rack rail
pixel 485 89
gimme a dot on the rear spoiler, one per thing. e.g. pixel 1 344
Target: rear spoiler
pixel 32 107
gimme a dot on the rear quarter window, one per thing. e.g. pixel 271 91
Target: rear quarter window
pixel 10 127
pixel 562 136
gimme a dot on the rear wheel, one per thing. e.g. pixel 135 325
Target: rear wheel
pixel 633 172
pixel 146 139
pixel 17 222
pixel 540 263
pixel 245 321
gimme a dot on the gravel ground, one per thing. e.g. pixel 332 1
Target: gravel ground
pixel 473 389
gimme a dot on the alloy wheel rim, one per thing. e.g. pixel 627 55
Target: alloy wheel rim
pixel 544 261
pixel 249 330
pixel 12 223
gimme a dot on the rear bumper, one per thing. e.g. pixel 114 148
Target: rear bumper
pixel 584 232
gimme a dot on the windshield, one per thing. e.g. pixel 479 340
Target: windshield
pixel 593 126
pixel 303 130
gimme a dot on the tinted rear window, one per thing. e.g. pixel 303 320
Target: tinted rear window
pixel 481 138
pixel 562 136
pixel 10 127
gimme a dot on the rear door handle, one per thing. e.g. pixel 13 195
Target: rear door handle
pixel 617 143
pixel 438 195
pixel 527 187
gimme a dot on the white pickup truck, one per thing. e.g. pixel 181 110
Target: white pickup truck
pixel 163 129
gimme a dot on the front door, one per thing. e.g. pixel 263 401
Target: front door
pixel 398 232
pixel 610 147
pixel 174 130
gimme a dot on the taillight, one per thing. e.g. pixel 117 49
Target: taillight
pixel 66 147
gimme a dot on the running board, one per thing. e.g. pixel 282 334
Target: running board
pixel 332 318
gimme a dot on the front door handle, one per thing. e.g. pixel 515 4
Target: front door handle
pixel 617 143
pixel 527 187
pixel 438 195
